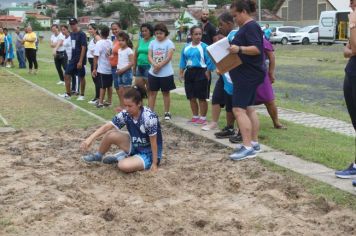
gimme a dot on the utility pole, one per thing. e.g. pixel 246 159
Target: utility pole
pixel 75 9
pixel 259 11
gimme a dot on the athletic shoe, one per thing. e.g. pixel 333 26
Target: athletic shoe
pixel 81 98
pixel 64 95
pixel 91 158
pixel 115 159
pixel 60 82
pixel 93 101
pixel 99 105
pixel 201 122
pixel 226 132
pixel 211 126
pixel 167 116
pixel 354 183
pixel 256 147
pixel 243 154
pixel 107 104
pixel 237 138
pixel 193 120
pixel 348 173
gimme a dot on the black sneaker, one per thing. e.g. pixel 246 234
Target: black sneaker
pixel 226 132
pixel 237 138
pixel 167 116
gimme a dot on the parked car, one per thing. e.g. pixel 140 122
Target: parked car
pixel 333 27
pixel 281 34
pixel 306 35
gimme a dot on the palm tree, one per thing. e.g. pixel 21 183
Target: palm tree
pixel 184 21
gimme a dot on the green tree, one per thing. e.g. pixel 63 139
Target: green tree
pixel 176 3
pixel 129 14
pixel 31 20
pixel 49 12
pixel 53 2
pixel 183 21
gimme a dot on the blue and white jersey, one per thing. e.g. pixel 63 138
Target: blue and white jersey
pixel 228 87
pixel 195 56
pixel 140 130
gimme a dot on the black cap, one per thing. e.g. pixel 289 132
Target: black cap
pixel 73 21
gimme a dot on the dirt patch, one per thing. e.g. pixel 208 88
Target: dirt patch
pixel 47 190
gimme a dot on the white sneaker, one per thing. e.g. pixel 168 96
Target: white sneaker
pixel 8 66
pixel 60 82
pixel 80 98
pixel 64 95
pixel 94 101
pixel 210 126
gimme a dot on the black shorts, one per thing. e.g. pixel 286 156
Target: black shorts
pixel 105 80
pixel 72 70
pixel 2 49
pixel 165 84
pixel 219 93
pixel 244 96
pixel 228 102
pixel 196 83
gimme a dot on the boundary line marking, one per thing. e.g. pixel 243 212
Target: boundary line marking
pixel 57 97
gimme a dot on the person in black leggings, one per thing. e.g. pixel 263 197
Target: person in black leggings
pixel 350 87
pixel 29 40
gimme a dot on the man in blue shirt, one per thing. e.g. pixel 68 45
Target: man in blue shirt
pixel 76 66
pixel 20 50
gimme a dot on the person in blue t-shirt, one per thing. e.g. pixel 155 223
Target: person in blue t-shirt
pixel 195 68
pixel 267 32
pixel 141 146
pixel 248 44
pixel 223 88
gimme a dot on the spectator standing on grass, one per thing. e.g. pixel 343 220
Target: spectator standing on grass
pixel 195 67
pixel 267 32
pixel 141 146
pixel 76 66
pixel 113 57
pixel 161 74
pixel 29 42
pixel 102 67
pixel 248 44
pixel 94 38
pixel 58 52
pixel 223 88
pixel 141 64
pixel 350 87
pixel 265 94
pixel 2 47
pixel 20 50
pixel 9 49
pixel 67 45
pixel 124 65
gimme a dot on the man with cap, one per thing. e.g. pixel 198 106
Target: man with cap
pixel 76 65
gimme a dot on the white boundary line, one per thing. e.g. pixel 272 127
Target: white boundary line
pixel 57 97
pixel 4 120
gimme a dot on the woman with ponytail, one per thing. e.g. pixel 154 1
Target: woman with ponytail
pixel 141 146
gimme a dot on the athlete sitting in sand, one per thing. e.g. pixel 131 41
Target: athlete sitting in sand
pixel 141 146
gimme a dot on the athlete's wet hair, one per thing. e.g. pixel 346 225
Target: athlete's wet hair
pixel 136 93
pixel 248 5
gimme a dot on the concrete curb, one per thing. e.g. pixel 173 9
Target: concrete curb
pixel 293 163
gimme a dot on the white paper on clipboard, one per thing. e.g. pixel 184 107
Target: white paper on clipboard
pixel 219 50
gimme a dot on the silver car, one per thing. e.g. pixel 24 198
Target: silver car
pixel 281 34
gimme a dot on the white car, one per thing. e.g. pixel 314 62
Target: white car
pixel 281 34
pixel 306 35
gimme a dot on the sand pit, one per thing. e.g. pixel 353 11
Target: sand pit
pixel 47 190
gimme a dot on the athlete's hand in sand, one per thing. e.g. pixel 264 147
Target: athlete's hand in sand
pixel 154 168
pixel 84 146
